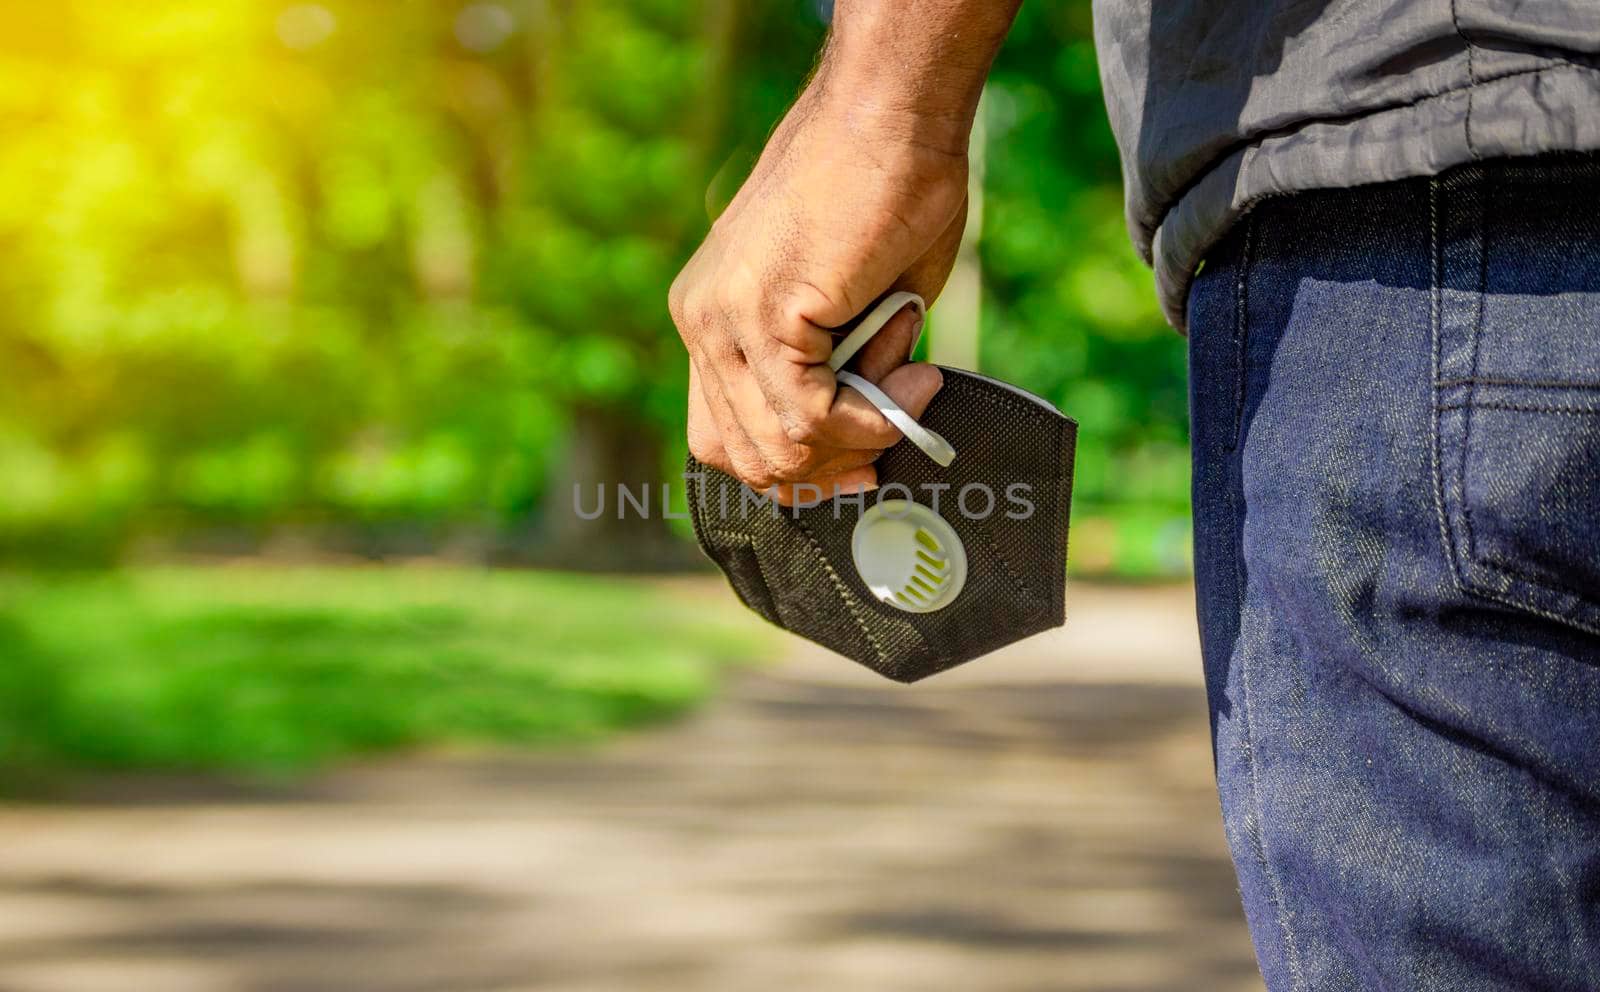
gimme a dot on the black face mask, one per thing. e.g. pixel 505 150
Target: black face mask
pixel 961 550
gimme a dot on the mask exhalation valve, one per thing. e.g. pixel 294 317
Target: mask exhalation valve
pixel 909 556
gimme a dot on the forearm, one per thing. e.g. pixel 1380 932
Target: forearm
pixel 914 64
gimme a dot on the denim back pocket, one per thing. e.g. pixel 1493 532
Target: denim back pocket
pixel 1516 365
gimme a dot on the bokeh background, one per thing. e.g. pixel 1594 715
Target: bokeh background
pixel 313 315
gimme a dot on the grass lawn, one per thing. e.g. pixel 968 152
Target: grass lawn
pixel 271 670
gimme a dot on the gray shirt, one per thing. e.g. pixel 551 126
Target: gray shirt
pixel 1218 103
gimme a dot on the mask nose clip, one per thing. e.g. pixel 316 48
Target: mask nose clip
pixel 909 556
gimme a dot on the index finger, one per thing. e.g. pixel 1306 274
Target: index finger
pixel 800 394
pixel 851 421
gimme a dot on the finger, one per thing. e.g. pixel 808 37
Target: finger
pixel 822 414
pixel 795 389
pixel 762 453
pixel 744 459
pixel 828 462
pixel 856 428
pixel 705 439
pixel 852 422
pixel 913 387
pixel 858 480
pixel 798 340
pixel 788 461
pixel 891 347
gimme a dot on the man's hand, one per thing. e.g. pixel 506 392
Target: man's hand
pixel 860 191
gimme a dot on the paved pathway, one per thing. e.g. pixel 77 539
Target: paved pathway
pixel 1041 821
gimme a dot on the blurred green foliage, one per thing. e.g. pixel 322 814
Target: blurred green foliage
pixel 272 670
pixel 357 266
pixel 1070 312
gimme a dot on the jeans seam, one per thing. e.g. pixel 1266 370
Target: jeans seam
pixel 1241 328
pixel 1435 321
pixel 1257 821
pixel 1482 200
pixel 1511 572
pixel 1525 605
pixel 1258 831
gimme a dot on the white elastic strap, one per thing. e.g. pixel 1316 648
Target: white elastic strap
pixel 932 444
pixel 871 324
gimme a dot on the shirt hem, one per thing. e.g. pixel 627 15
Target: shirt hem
pixel 1555 108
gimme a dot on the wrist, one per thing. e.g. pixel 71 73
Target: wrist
pixel 970 31
pixel 872 105
pixel 909 73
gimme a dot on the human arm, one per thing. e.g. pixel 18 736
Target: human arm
pixel 861 190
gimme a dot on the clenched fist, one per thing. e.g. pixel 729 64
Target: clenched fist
pixel 860 191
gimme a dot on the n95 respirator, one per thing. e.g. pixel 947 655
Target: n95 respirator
pixel 959 551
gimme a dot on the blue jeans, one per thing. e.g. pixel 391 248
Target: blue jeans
pixel 1396 407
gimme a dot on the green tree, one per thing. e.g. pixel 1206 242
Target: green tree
pixel 625 117
pixel 393 273
pixel 1069 310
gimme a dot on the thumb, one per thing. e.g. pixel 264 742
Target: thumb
pixel 913 387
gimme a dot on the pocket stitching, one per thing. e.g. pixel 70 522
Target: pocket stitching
pixel 1526 604
pixel 1574 411
pixel 1464 560
pixel 1489 380
pixel 1508 569
pixel 1451 503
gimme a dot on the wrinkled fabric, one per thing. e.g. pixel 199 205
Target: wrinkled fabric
pixel 1396 405
pixel 1217 104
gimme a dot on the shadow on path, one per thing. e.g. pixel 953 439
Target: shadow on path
pixel 804 833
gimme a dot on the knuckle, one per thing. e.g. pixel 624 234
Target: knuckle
pixel 706 449
pixel 689 313
pixel 675 298
pixel 685 302
pixel 792 463
pixel 807 431
pixel 759 479
pixel 803 430
pixel 741 286
pixel 751 471
pixel 806 413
